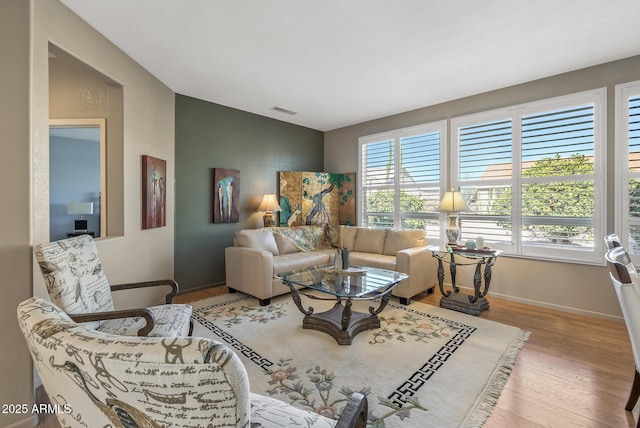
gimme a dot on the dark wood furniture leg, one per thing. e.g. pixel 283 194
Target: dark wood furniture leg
pixel 634 395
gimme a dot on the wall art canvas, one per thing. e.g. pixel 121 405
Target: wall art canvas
pixel 308 197
pixel 226 195
pixel 154 192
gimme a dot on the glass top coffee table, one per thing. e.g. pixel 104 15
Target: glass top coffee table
pixel 355 283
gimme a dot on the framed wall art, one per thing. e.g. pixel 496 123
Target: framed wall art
pixel 154 192
pixel 226 195
pixel 308 197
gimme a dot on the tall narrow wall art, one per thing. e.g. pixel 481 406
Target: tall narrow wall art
pixel 226 195
pixel 154 192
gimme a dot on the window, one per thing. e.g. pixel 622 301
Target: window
pixel 533 176
pixel 400 172
pixel 628 167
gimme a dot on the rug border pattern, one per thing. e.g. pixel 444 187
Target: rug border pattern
pixel 400 395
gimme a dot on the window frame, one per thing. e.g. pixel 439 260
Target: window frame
pixel 517 248
pixel 396 136
pixel 623 92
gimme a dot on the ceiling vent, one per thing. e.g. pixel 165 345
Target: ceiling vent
pixel 284 110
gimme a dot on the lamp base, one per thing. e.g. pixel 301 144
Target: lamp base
pixel 80 225
pixel 452 235
pixel 269 220
pixel 453 231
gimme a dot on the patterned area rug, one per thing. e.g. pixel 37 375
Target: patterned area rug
pixel 425 367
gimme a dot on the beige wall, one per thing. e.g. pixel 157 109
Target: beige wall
pixel 148 128
pixel 15 173
pixel 573 287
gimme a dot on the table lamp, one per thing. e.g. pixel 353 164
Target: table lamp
pixel 81 208
pixel 452 203
pixel 269 204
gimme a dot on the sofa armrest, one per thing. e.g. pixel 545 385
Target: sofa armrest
pixel 249 270
pixel 418 263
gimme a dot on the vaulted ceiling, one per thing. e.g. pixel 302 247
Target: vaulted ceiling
pixel 341 62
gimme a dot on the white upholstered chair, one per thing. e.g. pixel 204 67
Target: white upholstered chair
pixel 626 282
pixel 97 379
pixel 76 283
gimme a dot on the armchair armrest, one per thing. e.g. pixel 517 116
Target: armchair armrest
pixel 170 282
pixel 126 313
pixel 355 413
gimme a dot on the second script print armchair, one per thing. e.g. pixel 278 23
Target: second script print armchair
pixel 76 283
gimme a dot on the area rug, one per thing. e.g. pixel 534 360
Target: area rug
pixel 424 367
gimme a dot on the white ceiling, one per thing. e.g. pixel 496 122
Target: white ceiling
pixel 341 62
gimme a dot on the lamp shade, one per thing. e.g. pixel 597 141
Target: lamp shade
pixel 269 203
pixel 80 208
pixel 453 202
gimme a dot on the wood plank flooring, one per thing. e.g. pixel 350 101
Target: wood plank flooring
pixel 575 371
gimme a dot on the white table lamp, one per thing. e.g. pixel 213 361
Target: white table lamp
pixel 453 203
pixel 269 204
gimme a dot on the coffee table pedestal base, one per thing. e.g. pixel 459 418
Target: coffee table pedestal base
pixel 331 323
pixel 460 302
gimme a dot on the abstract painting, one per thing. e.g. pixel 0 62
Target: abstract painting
pixel 317 197
pixel 226 195
pixel 154 192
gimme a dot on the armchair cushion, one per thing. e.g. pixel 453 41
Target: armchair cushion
pixel 74 278
pixel 267 411
pixel 169 321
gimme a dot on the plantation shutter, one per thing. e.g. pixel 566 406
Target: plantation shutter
pixel 557 170
pixel 633 136
pixel 378 183
pixel 484 175
pixel 420 182
pixel 400 178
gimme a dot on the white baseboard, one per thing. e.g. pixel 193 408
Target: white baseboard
pixel 547 305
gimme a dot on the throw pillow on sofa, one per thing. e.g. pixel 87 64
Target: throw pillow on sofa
pixel 261 239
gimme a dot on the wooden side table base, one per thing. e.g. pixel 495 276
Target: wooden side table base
pixel 460 302
pixel 331 323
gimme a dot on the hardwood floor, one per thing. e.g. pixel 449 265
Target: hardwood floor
pixel 575 371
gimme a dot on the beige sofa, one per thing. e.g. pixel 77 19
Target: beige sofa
pixel 260 254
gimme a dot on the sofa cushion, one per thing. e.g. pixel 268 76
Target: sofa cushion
pixel 379 261
pixel 397 240
pixel 293 261
pixel 260 239
pixel 370 240
pixel 347 237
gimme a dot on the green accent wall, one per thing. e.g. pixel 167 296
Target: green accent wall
pixel 211 136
